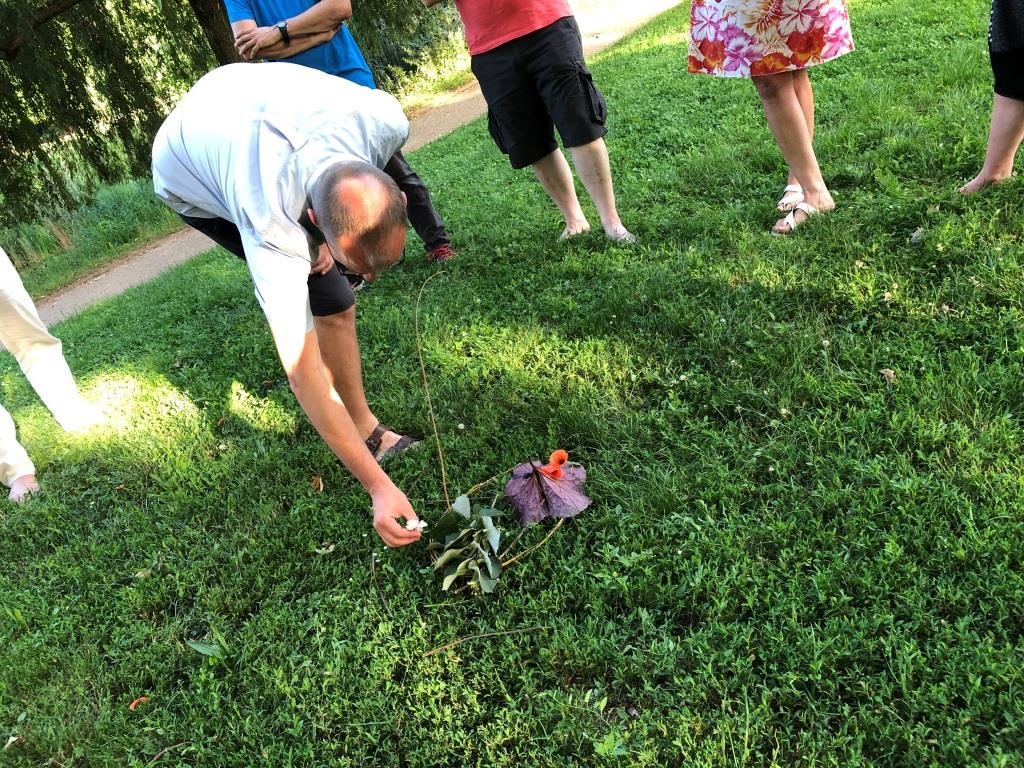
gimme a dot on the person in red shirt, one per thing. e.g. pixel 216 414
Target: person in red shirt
pixel 528 57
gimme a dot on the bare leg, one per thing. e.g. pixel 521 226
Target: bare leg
pixel 789 126
pixel 555 176
pixel 1004 137
pixel 339 348
pixel 805 95
pixel 591 161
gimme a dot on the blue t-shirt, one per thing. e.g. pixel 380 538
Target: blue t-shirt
pixel 339 56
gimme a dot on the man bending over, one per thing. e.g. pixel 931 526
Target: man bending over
pixel 280 164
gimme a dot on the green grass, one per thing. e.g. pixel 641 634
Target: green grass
pixel 53 253
pixel 789 561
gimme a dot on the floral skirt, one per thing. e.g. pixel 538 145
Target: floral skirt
pixel 747 38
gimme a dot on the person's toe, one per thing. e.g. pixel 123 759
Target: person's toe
pixel 23 487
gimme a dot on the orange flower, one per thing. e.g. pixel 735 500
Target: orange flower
pixel 713 52
pixel 771 64
pixel 806 45
pixel 553 468
pixel 140 700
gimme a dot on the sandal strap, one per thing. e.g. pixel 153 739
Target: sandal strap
pixel 794 188
pixel 790 221
pixel 405 442
pixel 373 441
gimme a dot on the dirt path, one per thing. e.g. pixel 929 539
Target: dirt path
pixel 602 22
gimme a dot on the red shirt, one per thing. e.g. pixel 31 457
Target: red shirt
pixel 490 23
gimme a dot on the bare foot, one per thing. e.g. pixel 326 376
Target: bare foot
pixel 791 195
pixel 387 441
pixel 383 442
pixel 979 182
pixel 812 205
pixel 574 228
pixel 620 235
pixel 796 218
pixel 22 487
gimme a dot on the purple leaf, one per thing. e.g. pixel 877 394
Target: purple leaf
pixel 537 496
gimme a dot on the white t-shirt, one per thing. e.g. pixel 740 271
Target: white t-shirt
pixel 247 144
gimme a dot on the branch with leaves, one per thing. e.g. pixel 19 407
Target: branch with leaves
pixel 13 44
pixel 472 552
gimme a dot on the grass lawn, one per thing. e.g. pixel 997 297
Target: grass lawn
pixel 54 253
pixel 790 561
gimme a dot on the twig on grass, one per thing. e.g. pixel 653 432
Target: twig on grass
pixel 426 388
pixel 467 638
pixel 511 545
pixel 164 751
pixel 535 547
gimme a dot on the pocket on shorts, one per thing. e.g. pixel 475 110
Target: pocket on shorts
pixel 598 106
pixel 494 128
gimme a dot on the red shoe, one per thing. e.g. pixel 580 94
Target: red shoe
pixel 441 253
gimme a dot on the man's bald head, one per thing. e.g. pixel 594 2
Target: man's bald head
pixel 361 207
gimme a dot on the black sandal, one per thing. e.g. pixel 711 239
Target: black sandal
pixel 405 443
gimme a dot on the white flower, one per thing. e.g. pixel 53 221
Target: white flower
pixel 415 525
pixel 797 16
pixel 705 22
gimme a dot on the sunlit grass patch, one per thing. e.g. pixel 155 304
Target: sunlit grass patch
pixel 806 542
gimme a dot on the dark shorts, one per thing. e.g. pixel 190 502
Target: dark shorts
pixel 536 83
pixel 1006 47
pixel 1008 69
pixel 329 294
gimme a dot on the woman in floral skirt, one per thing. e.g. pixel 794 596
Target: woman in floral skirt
pixel 774 42
pixel 1006 53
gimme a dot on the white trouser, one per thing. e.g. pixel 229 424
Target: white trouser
pixel 14 461
pixel 41 359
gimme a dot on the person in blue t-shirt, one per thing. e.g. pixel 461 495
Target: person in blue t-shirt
pixel 313 33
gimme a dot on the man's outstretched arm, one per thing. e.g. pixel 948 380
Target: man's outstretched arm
pixel 300 355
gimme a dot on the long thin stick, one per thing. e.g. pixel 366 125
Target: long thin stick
pixel 426 390
pixel 461 640
pixel 165 750
pixel 487 482
pixel 525 552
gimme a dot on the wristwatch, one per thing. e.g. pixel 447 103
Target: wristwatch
pixel 282 27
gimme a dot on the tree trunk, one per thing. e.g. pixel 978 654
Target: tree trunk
pixel 214 22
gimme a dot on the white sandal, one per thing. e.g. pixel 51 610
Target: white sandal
pixel 792 196
pixel 790 220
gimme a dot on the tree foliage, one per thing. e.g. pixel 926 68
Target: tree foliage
pixel 83 94
pixel 84 84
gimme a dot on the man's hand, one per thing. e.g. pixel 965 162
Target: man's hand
pixel 324 261
pixel 250 42
pixel 389 504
